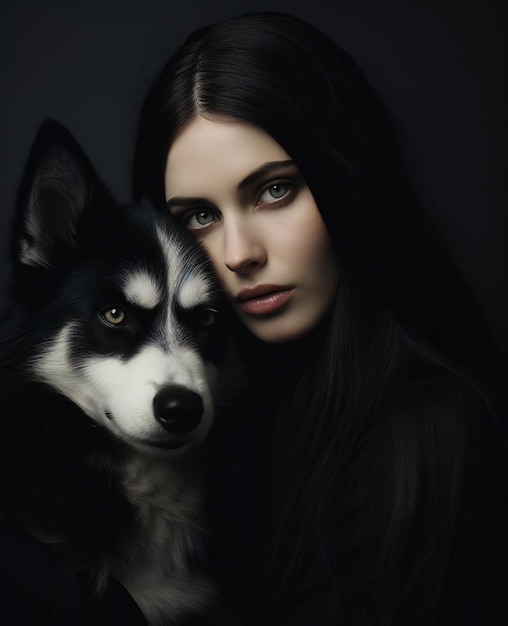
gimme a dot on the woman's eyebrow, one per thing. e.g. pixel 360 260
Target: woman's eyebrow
pixel 267 168
pixel 260 172
pixel 187 202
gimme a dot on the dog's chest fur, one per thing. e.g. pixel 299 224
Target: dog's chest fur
pixel 160 564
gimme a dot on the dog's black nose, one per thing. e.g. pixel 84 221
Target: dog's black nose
pixel 178 409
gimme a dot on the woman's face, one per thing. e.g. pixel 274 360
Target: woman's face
pixel 234 187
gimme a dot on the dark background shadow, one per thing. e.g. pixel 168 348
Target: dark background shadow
pixel 441 66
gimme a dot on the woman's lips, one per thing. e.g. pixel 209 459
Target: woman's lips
pixel 263 299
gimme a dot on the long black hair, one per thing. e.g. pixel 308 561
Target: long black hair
pixel 402 312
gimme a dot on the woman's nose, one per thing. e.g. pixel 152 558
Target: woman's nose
pixel 243 248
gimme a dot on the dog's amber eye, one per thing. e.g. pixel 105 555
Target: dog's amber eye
pixel 113 316
pixel 207 317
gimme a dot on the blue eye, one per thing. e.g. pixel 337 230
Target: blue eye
pixel 276 191
pixel 199 219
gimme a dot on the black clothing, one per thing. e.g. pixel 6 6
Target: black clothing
pixel 476 588
pixel 40 585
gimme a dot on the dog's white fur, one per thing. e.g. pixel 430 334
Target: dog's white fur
pixel 155 569
pixel 163 485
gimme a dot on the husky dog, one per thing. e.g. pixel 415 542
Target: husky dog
pixel 108 356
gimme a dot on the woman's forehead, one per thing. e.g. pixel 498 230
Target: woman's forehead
pixel 209 150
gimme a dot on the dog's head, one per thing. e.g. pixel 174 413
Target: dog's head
pixel 121 308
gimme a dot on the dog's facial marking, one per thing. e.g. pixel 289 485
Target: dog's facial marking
pixel 53 367
pixel 125 390
pixel 194 315
pixel 194 291
pixel 119 394
pixel 172 250
pixel 141 289
pixel 188 282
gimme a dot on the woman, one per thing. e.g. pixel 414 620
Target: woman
pixel 372 479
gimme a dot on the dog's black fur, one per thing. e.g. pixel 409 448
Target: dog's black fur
pixel 127 497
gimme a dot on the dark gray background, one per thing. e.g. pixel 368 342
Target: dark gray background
pixel 441 66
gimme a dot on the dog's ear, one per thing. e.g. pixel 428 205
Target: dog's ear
pixel 57 186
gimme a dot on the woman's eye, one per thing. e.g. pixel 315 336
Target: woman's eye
pixel 199 219
pixel 275 191
pixel 113 316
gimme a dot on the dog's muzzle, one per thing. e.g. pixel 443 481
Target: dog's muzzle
pixel 178 409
